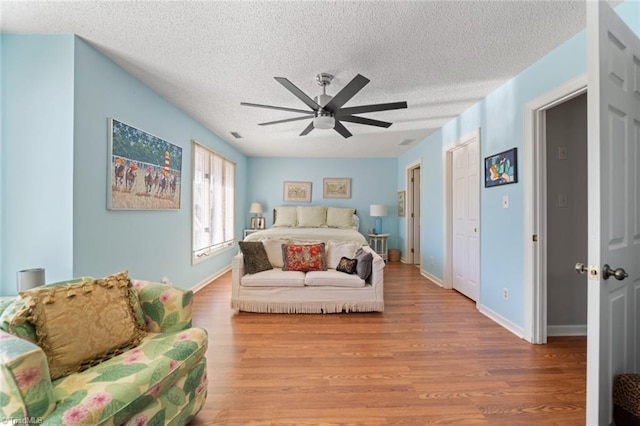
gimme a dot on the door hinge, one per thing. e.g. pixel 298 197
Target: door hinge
pixel 412 215
pixel 535 238
pixel 411 250
pixel 412 180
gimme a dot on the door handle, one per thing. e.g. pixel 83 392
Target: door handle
pixel 618 273
pixel 580 268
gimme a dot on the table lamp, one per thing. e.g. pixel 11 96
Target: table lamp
pixel 30 278
pixel 378 211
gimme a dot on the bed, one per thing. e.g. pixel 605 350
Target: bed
pixel 325 291
pixel 312 223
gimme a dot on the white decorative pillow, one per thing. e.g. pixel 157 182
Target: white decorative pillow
pixel 338 249
pixel 340 217
pixel 286 216
pixel 312 217
pixel 273 247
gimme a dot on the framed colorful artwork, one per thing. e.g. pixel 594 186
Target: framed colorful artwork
pixel 501 168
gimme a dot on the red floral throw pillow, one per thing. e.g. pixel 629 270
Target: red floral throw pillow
pixel 304 257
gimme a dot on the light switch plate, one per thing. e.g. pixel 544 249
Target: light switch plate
pixel 505 201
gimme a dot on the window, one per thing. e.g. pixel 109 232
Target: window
pixel 213 202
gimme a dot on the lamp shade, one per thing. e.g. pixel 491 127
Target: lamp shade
pixel 378 210
pixel 30 278
pixel 256 208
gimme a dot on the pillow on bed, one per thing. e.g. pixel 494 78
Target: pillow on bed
pixel 305 257
pixel 312 217
pixel 286 217
pixel 338 249
pixel 340 218
pixel 255 256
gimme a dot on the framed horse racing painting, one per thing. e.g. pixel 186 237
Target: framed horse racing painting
pixel 145 172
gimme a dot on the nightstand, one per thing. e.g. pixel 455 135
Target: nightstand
pixel 250 231
pixel 379 244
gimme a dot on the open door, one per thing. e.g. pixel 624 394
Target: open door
pixel 613 67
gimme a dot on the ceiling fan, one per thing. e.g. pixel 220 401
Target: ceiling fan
pixel 327 110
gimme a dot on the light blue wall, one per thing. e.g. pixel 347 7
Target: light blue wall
pixel 500 119
pixel 150 244
pixel 373 181
pixel 57 95
pixel 36 229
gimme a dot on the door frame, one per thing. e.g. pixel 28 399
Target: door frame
pixel 409 208
pixel 447 161
pixel 535 206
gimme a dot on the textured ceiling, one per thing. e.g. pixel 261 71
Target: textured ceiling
pixel 207 57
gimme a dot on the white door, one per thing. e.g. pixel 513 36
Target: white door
pixel 613 71
pixel 465 210
pixel 415 215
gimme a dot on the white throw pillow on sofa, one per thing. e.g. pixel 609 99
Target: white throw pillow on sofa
pixel 337 249
pixel 273 247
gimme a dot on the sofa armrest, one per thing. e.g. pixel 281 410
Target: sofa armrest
pixel 166 308
pixel 376 279
pixel 26 392
pixel 237 272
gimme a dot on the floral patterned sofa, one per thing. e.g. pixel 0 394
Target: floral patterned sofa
pixel 161 381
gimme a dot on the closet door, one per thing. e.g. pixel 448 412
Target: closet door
pixel 466 207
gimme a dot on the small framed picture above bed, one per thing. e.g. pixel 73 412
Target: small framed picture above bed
pixel 297 192
pixel 336 188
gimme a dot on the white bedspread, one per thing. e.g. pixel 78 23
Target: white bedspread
pixel 312 234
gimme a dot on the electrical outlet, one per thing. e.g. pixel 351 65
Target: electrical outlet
pixel 505 294
pixel 505 201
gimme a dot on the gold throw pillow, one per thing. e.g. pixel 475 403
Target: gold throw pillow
pixel 82 324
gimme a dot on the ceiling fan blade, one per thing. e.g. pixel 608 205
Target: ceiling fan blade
pixel 298 93
pixel 307 129
pixel 367 121
pixel 371 108
pixel 346 93
pixel 301 111
pixel 286 120
pixel 338 127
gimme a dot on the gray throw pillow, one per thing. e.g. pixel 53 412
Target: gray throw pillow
pixel 365 263
pixel 255 257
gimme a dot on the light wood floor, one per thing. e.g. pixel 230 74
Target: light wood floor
pixel 430 358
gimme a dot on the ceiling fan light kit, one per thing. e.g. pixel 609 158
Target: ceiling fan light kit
pixel 327 110
pixel 323 122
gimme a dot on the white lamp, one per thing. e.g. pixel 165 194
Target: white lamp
pixel 30 278
pixel 323 122
pixel 257 222
pixel 378 211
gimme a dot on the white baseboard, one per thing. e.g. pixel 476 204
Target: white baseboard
pixel 202 284
pixel 567 330
pixel 430 277
pixel 515 329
